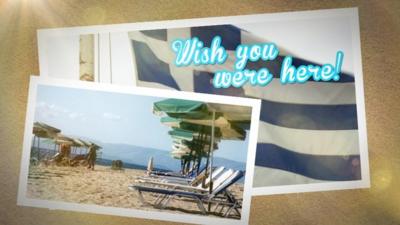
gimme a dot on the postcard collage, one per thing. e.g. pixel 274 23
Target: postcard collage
pixel 186 120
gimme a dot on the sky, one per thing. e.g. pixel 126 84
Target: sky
pixel 113 118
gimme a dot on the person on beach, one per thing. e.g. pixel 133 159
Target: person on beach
pixel 62 158
pixel 91 157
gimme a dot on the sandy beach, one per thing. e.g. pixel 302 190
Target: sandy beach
pixel 102 186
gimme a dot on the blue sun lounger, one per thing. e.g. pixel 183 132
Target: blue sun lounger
pixel 179 180
pixel 220 195
pixel 193 173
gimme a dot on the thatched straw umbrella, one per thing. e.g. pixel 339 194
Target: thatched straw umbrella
pixel 42 130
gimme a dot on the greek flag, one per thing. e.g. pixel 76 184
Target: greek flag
pixel 308 132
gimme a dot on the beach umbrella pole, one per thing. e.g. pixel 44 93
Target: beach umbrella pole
pixel 38 157
pixel 199 148
pixel 211 154
pixel 198 165
pixel 33 148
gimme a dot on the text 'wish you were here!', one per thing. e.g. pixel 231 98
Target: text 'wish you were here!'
pixel 191 52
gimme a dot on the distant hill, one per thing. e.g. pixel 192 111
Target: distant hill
pixel 137 157
pixel 162 159
pixel 108 162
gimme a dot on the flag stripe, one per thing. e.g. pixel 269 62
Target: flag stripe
pixel 276 177
pixel 335 168
pixel 160 49
pixel 203 84
pixel 318 142
pixel 328 93
pixel 309 117
pixel 230 35
pixel 182 75
pixel 160 34
pixel 149 68
pixel 275 66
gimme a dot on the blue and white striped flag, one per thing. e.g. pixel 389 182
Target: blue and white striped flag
pixel 308 132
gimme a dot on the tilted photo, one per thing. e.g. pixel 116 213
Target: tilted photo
pixel 151 151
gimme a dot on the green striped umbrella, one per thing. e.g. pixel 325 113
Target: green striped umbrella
pixel 197 125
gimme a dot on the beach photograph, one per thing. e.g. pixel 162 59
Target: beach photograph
pixel 150 153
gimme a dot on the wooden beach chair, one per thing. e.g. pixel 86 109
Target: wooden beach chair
pixel 220 195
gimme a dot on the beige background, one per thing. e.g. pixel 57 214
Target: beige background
pixel 380 32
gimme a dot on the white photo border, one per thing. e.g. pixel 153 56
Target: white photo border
pixel 35 81
pixel 351 13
